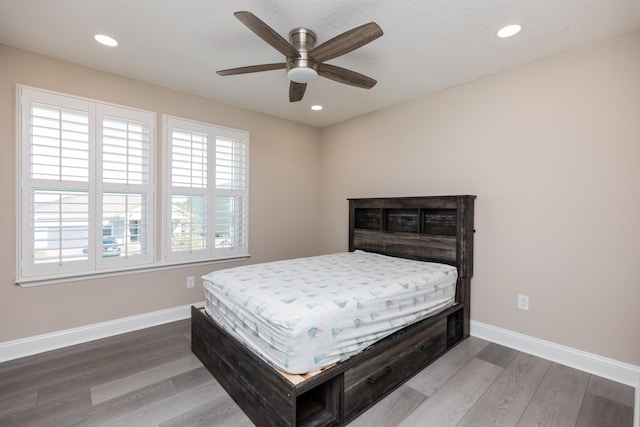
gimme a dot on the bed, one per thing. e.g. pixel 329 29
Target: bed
pixel 428 229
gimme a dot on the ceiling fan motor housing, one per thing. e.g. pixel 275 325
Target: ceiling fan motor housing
pixel 302 69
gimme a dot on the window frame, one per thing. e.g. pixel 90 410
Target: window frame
pixel 30 272
pixel 159 220
pixel 212 132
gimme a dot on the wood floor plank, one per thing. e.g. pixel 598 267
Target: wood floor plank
pixel 111 389
pixel 193 378
pixel 558 398
pixel 597 411
pixel 611 390
pixel 113 367
pixel 97 415
pixel 391 410
pixel 167 409
pixel 17 402
pixel 88 361
pixel 85 351
pixel 64 353
pixel 162 332
pixel 435 375
pixel 506 400
pixel 497 354
pixel 221 412
pixel 32 369
pixel 452 401
pixel 50 412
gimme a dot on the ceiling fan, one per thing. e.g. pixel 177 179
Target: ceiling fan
pixel 304 60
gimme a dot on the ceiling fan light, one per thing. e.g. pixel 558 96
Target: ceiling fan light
pixel 302 75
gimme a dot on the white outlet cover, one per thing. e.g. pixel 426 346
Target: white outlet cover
pixel 191 281
pixel 523 302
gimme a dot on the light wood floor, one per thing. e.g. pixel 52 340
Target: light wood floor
pixel 150 378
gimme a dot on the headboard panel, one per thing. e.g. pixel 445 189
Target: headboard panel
pixel 438 229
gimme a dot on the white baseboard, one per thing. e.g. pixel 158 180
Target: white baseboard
pixel 598 365
pixel 10 350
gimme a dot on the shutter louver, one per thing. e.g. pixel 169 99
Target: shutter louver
pixel 60 224
pixel 59 140
pixel 189 223
pixel 230 181
pixel 124 219
pixel 125 151
pixel 188 159
pixel 230 164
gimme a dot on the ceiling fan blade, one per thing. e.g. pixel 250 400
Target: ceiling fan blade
pixel 345 76
pixel 267 34
pixel 251 69
pixel 296 91
pixel 346 42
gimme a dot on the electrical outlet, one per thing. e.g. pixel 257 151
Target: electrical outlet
pixel 191 282
pixel 523 302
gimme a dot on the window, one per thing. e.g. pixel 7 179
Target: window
pixel 206 198
pixel 85 186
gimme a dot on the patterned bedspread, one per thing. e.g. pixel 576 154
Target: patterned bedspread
pixel 303 314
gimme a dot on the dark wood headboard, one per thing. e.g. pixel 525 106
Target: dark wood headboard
pixel 438 229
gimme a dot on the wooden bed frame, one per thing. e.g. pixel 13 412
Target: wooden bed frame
pixel 438 229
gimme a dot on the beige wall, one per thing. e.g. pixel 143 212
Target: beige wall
pixel 284 174
pixel 552 150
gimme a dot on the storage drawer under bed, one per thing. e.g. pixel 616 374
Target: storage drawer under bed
pixel 370 381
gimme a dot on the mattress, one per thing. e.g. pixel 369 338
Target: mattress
pixel 304 314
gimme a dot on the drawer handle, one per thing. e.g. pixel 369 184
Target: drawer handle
pixel 386 371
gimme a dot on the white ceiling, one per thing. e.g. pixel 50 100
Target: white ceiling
pixel 428 45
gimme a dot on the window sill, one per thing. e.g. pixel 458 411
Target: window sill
pixel 42 281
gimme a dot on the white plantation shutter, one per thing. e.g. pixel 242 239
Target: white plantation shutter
pixel 125 186
pixel 207 192
pixel 125 151
pixel 124 217
pixel 59 143
pixel 56 149
pixel 231 173
pixel 189 161
pixel 189 223
pixel 189 187
pixel 84 169
pixel 59 224
pixel 230 164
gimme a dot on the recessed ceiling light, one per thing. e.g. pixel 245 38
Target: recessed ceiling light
pixel 316 107
pixel 106 40
pixel 509 30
